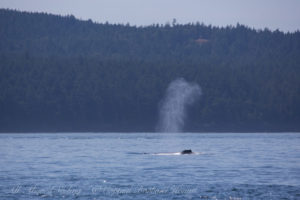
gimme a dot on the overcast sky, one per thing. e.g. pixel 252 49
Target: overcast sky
pixel 273 14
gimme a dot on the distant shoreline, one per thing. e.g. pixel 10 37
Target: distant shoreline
pixel 150 131
pixel 61 74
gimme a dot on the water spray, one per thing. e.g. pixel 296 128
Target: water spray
pixel 179 95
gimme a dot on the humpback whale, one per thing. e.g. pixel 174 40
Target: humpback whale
pixel 184 152
pixel 187 151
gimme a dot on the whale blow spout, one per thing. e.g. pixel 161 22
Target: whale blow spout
pixel 173 111
pixel 187 151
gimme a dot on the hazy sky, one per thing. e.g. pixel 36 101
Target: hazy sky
pixel 281 14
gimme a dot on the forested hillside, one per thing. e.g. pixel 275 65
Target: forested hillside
pixel 63 74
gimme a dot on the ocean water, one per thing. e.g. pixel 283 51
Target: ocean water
pixel 146 166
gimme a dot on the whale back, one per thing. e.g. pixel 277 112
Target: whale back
pixel 187 151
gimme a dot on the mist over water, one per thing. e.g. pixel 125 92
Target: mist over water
pixel 179 95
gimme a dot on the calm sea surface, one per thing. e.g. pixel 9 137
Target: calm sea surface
pixel 143 166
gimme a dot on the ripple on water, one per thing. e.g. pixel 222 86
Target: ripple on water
pixel 109 166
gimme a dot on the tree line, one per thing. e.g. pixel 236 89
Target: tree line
pixel 58 73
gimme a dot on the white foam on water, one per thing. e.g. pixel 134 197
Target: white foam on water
pixel 175 154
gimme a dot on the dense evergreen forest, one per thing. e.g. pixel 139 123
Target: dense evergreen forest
pixel 64 74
